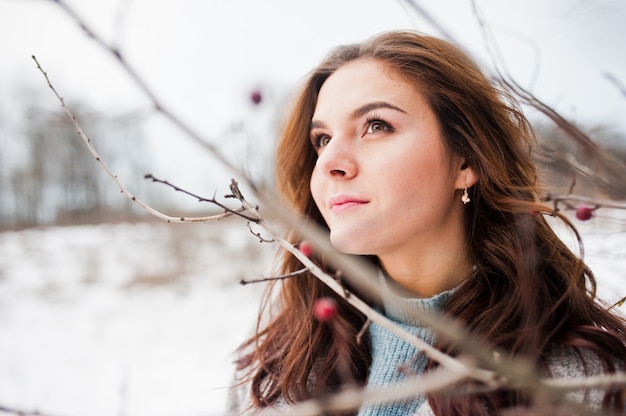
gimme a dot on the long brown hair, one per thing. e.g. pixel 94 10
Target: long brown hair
pixel 529 292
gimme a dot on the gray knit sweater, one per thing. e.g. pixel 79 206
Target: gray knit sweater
pixel 393 359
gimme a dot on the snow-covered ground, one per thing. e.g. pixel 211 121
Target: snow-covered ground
pixel 141 319
pixel 128 319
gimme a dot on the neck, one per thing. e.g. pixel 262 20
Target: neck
pixel 429 270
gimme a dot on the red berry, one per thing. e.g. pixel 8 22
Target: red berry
pixel 325 309
pixel 256 97
pixel 306 247
pixel 584 213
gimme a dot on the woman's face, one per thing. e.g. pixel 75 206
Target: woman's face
pixel 384 180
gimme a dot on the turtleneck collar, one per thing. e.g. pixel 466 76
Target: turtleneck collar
pixel 401 307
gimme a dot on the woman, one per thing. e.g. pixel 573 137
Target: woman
pixel 404 151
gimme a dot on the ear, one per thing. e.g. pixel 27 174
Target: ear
pixel 466 176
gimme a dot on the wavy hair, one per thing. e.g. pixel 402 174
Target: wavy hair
pixel 529 292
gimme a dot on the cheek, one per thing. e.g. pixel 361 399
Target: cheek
pixel 316 188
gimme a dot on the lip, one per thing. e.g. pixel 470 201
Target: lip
pixel 344 202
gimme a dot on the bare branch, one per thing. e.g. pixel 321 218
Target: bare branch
pixel 614 167
pixel 21 412
pixel 113 176
pixel 259 236
pixel 353 398
pixel 616 82
pixel 618 304
pixel 238 212
pixel 299 272
pixel 359 336
pixel 430 19
pixel 573 384
pixel 143 86
pixel 605 203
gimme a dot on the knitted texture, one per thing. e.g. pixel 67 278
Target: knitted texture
pixel 393 359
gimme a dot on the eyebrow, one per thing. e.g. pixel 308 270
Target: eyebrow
pixel 361 111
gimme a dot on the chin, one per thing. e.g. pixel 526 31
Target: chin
pixel 349 245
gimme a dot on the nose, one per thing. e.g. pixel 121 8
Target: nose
pixel 338 159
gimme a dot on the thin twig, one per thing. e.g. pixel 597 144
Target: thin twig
pixel 113 176
pixel 259 236
pixel 143 86
pixel 353 398
pixel 269 279
pixel 573 384
pixel 21 412
pixel 618 304
pixel 616 82
pixel 362 331
pixel 604 203
pixel 238 212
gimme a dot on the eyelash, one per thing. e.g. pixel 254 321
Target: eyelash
pixel 315 140
pixel 375 118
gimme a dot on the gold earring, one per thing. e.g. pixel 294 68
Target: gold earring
pixel 465 197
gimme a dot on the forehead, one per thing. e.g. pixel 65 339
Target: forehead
pixel 366 80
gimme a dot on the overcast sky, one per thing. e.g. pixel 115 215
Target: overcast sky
pixel 203 57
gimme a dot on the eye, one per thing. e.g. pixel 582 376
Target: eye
pixel 320 140
pixel 376 125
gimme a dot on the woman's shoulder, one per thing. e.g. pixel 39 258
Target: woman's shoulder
pixel 566 362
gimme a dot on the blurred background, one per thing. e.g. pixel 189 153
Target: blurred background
pixel 105 311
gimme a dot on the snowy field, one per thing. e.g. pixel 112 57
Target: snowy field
pixel 141 319
pixel 125 319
